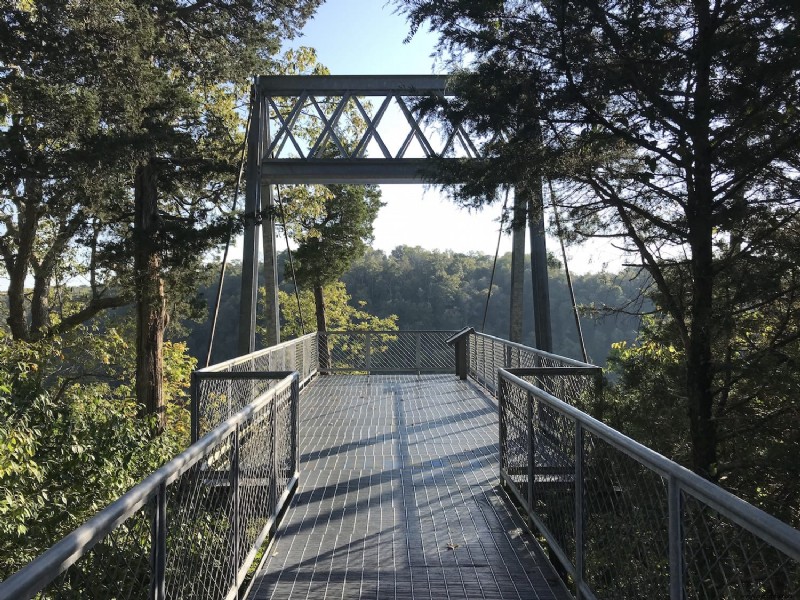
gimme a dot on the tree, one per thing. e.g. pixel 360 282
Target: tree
pixel 341 314
pixel 71 436
pixel 672 127
pixel 142 97
pixel 330 240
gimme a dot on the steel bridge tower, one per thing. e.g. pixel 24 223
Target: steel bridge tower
pixel 277 154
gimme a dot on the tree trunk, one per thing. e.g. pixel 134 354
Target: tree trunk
pixel 20 264
pixel 150 302
pixel 699 366
pixel 322 327
pixel 40 304
pixel 700 205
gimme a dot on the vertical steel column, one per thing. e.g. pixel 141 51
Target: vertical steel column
pixel 676 568
pixel 271 306
pixel 502 431
pixel 236 525
pixel 195 407
pixel 517 266
pixel 541 287
pixel 274 462
pixel 579 511
pixel 295 399
pixel 531 452
pixel 368 351
pixel 158 549
pixel 252 208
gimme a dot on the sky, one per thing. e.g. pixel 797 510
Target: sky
pixel 368 37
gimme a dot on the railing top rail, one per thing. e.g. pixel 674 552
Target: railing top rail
pixel 37 574
pixel 542 353
pixel 240 359
pixel 770 529
pixel 391 331
pixel 367 85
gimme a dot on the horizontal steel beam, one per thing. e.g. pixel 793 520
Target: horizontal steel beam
pixel 360 85
pixel 352 171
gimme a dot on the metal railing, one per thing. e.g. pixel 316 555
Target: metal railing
pixel 222 497
pixel 575 382
pixel 624 521
pixel 216 397
pixel 386 352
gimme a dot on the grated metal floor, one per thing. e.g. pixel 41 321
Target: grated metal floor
pixel 399 499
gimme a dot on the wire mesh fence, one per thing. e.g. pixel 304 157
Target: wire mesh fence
pixel 626 522
pixel 221 497
pixel 572 381
pixel 215 396
pixel 386 352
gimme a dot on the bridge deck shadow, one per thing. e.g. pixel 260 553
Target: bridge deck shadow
pixel 399 499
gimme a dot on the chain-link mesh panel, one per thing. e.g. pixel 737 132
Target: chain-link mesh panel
pixel 578 384
pixel 346 351
pixel 626 528
pixel 578 389
pixel 116 568
pixel 200 535
pixel 514 436
pixel 218 399
pixel 434 351
pixel 724 560
pixel 387 351
pixel 554 474
pixel 285 456
pixel 256 478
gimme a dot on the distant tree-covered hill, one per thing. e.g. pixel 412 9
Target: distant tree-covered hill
pixel 447 290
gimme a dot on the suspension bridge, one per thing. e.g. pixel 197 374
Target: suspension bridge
pixel 405 464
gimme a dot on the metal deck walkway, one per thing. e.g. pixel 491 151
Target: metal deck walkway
pixel 399 498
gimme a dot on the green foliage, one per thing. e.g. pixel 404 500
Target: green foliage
pixel 756 412
pixel 342 314
pixel 71 440
pixel 446 290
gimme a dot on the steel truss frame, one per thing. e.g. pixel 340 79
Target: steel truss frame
pixel 276 156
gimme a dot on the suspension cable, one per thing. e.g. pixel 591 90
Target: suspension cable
pixel 218 299
pixel 291 261
pixel 566 272
pixel 494 264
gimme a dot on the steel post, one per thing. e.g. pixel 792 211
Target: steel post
pixel 158 549
pixel 235 508
pixel 531 449
pixel 676 567
pixel 580 546
pixel 502 432
pixel 517 266
pixel 252 207
pixel 539 278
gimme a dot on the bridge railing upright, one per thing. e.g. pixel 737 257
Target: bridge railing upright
pixel 194 527
pixel 626 522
